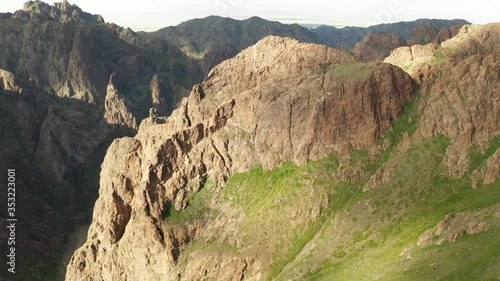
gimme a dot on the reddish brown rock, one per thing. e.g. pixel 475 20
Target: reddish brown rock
pixel 377 46
pixel 460 108
pixel 277 101
pixel 415 60
pixel 447 33
pixel 423 35
pixel 116 111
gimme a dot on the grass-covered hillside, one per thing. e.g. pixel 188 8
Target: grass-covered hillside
pixel 338 219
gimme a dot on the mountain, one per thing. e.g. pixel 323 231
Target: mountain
pixel 350 36
pixel 70 84
pixel 216 38
pixel 378 46
pixel 267 158
pixel 279 87
pixel 62 11
pixel 72 54
pixel 295 161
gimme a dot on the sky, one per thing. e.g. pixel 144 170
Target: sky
pixel 151 15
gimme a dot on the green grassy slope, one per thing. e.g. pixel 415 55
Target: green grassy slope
pixel 314 222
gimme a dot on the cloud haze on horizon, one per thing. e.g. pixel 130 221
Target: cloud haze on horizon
pixel 154 14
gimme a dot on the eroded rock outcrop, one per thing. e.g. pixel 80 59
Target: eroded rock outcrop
pixel 454 227
pixel 455 109
pixel 458 106
pixel 424 34
pixel 56 62
pixel 116 111
pixel 69 53
pixel 473 40
pixel 416 59
pixel 8 81
pixel 62 11
pixel 276 101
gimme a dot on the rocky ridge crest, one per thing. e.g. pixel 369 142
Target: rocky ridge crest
pixel 456 105
pixel 61 11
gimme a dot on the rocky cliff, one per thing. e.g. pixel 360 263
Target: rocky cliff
pixel 290 161
pixel 424 34
pixel 377 46
pixel 278 164
pixel 61 11
pixel 458 112
pixel 214 39
pixel 458 106
pixel 431 203
pixel 40 227
pixel 277 101
pixel 55 67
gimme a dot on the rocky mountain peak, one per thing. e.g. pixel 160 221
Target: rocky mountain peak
pixel 62 11
pixel 275 56
pixel 277 101
pixel 473 39
pixel 116 111
pixel 423 35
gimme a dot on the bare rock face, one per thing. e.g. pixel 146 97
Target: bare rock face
pixel 158 102
pixel 8 81
pixel 415 59
pixel 42 226
pixel 127 35
pixel 71 54
pixel 377 46
pixel 424 34
pixel 63 62
pixel 455 109
pixel 57 61
pixel 492 170
pixel 276 101
pixel 24 113
pixel 115 110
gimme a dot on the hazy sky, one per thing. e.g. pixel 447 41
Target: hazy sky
pixel 154 14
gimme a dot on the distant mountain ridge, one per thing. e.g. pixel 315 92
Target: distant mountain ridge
pixel 350 36
pixel 200 35
pixel 215 38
